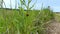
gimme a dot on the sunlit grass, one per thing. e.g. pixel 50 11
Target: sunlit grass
pixel 17 22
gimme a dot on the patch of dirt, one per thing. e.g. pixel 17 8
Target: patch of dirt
pixel 53 27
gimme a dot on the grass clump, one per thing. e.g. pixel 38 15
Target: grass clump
pixel 16 22
pixel 42 20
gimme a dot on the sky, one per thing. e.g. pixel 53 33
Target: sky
pixel 54 4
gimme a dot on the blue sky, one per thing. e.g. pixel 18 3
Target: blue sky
pixel 54 4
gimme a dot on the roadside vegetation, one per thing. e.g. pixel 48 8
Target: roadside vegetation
pixel 13 22
pixel 25 22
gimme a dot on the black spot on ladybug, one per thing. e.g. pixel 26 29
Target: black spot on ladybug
pixel 27 14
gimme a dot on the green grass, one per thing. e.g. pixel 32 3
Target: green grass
pixel 17 22
pixel 57 17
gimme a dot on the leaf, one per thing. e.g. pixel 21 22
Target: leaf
pixel 33 5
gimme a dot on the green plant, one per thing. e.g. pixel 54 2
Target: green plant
pixel 23 2
pixel 45 15
pixel 17 22
pixel 21 22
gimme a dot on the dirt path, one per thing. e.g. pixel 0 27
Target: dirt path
pixel 53 27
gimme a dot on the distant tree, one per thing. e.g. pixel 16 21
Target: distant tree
pixel 48 7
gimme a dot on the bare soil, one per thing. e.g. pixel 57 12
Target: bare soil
pixel 53 27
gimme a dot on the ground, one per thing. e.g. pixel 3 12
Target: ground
pixel 54 27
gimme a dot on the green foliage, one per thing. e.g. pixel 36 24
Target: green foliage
pixel 42 20
pixel 46 13
pixel 17 22
pixel 13 22
pixel 23 2
pixel 57 17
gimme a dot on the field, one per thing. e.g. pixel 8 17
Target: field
pixel 29 17
pixel 23 22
